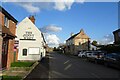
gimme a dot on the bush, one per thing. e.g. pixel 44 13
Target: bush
pixel 22 64
pixel 111 48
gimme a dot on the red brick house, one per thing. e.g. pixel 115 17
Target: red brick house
pixel 8 26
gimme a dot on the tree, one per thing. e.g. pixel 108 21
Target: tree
pixel 111 48
pixel 94 43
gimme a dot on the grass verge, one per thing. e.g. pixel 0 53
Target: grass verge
pixel 11 77
pixel 22 64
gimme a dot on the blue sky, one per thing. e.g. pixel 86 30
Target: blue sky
pixel 98 19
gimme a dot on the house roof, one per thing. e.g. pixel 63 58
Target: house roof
pixel 7 14
pixel 116 31
pixel 73 36
pixel 43 37
pixel 5 30
pixel 82 35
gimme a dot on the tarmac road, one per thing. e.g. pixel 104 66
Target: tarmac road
pixel 58 66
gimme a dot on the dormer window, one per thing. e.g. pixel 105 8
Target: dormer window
pixel 6 22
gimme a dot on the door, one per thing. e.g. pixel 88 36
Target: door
pixel 4 53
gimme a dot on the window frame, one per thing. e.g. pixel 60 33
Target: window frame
pixel 6 22
pixel 24 54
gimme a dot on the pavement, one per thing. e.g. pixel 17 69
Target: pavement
pixel 58 66
pixel 41 71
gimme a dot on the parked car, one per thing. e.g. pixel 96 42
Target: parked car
pixel 89 54
pixel 112 59
pixel 82 54
pixel 95 56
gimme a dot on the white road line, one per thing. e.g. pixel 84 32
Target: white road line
pixel 66 61
pixel 96 76
pixel 67 66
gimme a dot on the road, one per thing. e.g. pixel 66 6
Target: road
pixel 61 67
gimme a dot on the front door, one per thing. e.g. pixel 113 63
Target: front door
pixel 4 53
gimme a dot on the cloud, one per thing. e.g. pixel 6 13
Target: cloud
pixel 60 0
pixel 51 28
pixel 63 5
pixel 35 6
pixel 107 39
pixel 29 7
pixel 52 39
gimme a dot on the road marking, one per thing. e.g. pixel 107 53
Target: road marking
pixel 66 61
pixel 68 66
pixel 55 74
pixel 95 76
pixel 49 75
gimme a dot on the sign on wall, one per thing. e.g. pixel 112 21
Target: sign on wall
pixel 28 35
pixel 35 50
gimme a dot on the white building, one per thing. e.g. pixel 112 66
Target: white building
pixel 31 40
pixel 92 47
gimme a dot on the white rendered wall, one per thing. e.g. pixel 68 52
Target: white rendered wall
pixel 22 27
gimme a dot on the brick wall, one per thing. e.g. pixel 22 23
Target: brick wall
pixel 0 33
pixel 12 28
pixel 16 59
pixel 1 19
pixel 1 40
pixel 10 53
pixel 0 51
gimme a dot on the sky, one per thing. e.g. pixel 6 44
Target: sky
pixel 57 20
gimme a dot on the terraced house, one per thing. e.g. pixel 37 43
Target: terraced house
pixel 7 38
pixel 77 42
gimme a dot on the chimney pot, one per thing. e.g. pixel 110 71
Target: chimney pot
pixel 32 18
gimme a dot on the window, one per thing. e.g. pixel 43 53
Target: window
pixel 24 52
pixel 6 22
pixel 41 55
pixel 34 50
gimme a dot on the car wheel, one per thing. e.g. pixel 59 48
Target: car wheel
pixel 83 56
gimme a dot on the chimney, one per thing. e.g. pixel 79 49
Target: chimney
pixel 82 31
pixel 71 34
pixel 32 19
